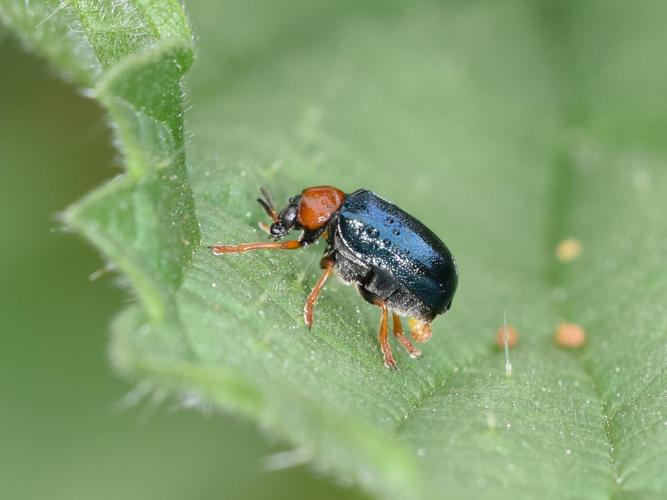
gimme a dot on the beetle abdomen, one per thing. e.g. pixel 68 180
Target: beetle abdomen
pixel 380 235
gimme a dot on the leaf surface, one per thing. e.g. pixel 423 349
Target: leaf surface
pixel 505 127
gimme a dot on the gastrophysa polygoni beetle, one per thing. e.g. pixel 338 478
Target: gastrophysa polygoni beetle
pixel 394 261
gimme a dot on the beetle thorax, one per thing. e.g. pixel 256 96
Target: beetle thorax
pixel 318 204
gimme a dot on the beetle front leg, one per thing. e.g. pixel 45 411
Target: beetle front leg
pixel 398 333
pixel 327 264
pixel 246 247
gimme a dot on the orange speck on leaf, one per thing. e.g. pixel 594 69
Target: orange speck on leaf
pixel 568 250
pixel 512 337
pixel 570 335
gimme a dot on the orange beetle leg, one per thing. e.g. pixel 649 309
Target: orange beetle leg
pixel 398 333
pixel 246 247
pixel 328 266
pixel 389 361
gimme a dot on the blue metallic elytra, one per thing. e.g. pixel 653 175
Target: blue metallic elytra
pixel 407 260
pixel 393 260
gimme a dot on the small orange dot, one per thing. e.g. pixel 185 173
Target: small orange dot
pixel 570 335
pixel 512 337
pixel 568 250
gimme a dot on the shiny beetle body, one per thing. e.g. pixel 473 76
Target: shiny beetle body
pixel 393 260
pixel 390 254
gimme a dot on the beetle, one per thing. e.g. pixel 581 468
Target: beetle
pixel 394 261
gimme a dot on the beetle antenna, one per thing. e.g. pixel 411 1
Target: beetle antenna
pixel 267 196
pixel 267 205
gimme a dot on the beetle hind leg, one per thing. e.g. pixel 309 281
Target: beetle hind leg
pixel 413 352
pixel 389 360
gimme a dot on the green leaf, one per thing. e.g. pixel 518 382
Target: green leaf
pixel 132 55
pixel 505 127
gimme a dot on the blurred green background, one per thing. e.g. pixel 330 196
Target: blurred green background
pixel 63 431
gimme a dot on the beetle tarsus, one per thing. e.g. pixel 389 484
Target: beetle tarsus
pixel 308 314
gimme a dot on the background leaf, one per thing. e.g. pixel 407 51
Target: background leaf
pixel 133 55
pixel 504 127
pixel 70 428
